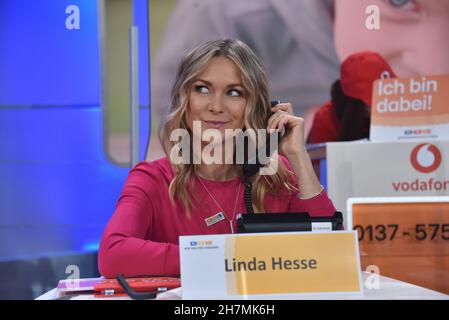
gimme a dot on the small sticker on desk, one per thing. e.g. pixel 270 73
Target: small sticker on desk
pixel 321 226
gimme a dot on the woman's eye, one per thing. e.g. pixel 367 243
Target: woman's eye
pixel 402 10
pixel 403 4
pixel 234 93
pixel 201 89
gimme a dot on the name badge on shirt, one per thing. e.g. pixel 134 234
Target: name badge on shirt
pixel 214 219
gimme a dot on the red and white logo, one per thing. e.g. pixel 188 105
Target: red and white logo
pixel 426 158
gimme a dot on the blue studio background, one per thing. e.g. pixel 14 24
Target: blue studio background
pixel 57 186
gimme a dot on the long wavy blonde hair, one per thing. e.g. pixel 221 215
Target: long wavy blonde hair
pixel 257 112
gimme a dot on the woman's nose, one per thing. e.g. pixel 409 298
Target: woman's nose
pixel 217 104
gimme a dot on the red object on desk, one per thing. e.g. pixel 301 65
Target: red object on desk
pixel 110 287
pixel 101 287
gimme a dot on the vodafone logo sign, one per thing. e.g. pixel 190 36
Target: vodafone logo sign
pixel 426 158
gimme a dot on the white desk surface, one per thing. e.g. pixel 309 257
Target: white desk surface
pixel 389 289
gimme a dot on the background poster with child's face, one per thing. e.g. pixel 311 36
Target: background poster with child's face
pixel 411 34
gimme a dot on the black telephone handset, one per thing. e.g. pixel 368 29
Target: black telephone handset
pixel 251 166
pixel 282 221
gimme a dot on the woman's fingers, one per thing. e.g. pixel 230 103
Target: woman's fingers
pixel 275 121
pixel 281 125
pixel 274 118
pixel 280 118
pixel 286 121
pixel 287 107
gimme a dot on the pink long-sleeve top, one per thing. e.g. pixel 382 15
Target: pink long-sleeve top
pixel 141 237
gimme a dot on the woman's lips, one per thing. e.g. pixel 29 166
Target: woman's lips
pixel 216 124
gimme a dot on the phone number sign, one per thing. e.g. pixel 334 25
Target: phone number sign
pixel 407 241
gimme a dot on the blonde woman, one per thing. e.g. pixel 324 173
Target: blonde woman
pixel 220 85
